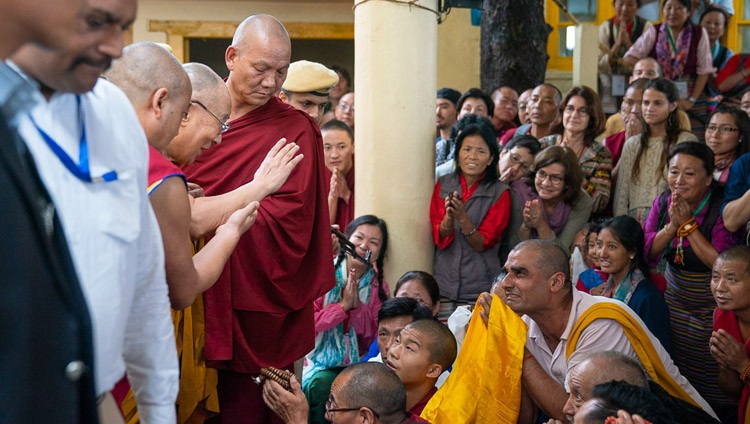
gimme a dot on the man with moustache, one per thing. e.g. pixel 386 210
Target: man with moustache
pixel 260 311
pixel 45 329
pixel 93 156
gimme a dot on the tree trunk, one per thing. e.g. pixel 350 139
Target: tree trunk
pixel 514 44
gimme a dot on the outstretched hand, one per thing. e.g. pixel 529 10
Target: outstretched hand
pixel 276 167
pixel 292 406
pixel 241 219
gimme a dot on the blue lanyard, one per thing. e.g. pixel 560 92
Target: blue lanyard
pixel 80 170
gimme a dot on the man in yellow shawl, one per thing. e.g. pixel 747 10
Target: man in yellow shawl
pixel 564 327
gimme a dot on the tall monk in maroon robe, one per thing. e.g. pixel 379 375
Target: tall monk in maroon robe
pixel 260 311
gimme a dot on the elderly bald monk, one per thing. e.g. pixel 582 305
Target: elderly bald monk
pixel 307 86
pixel 92 156
pixel 260 311
pixel 229 215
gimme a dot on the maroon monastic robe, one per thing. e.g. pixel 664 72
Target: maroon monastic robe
pixel 259 312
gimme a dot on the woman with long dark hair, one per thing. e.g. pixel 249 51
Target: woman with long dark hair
pixel 728 136
pixel 642 168
pixel 619 247
pixel 346 317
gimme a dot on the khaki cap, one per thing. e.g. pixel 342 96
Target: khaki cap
pixel 309 77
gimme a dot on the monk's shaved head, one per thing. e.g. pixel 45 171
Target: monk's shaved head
pixel 440 341
pixel 209 88
pixel 203 125
pixel 145 67
pixel 158 88
pixel 258 61
pixel 260 26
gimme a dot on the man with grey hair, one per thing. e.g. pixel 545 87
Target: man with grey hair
pixel 611 365
pixel 258 313
pixel 565 327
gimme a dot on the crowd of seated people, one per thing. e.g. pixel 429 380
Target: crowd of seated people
pixel 518 177
pixel 650 328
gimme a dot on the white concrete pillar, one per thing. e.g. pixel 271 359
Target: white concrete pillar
pixel 586 56
pixel 395 77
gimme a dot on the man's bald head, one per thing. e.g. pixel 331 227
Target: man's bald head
pixel 158 88
pixel 440 341
pixel 143 68
pixel 599 368
pixel 258 60
pixel 548 257
pixel 260 26
pixel 210 108
pixel 647 68
pixel 374 386
pixel 610 365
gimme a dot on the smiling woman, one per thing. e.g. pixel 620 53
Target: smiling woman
pixel 582 121
pixel 619 248
pixel 686 230
pixel 469 211
pixel 551 204
pixel 346 316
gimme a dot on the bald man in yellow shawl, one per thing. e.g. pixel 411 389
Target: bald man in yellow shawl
pixel 563 325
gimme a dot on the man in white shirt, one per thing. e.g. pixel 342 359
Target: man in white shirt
pixel 93 158
pixel 537 284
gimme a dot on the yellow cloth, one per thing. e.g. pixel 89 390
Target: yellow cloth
pixel 197 399
pixel 639 339
pixel 485 384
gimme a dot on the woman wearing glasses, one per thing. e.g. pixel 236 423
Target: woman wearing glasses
pixel 551 204
pixel 583 120
pixel 642 166
pixel 469 210
pixel 727 134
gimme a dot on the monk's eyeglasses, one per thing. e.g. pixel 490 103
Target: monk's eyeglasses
pixel 224 126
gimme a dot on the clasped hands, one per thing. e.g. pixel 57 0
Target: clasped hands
pixel 455 210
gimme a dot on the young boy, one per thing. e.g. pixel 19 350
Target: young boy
pixel 422 351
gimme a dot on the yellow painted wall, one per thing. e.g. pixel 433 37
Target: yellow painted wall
pixel 458 41
pixel 233 11
pixel 458 51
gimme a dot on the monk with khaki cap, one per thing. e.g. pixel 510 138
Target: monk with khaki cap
pixel 307 86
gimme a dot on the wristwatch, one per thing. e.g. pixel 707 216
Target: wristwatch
pixel 692 99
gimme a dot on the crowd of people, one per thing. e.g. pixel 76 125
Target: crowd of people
pixel 194 241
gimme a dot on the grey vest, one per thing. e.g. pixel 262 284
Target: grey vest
pixel 461 272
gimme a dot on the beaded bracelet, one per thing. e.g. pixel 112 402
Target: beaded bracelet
pixel 687 228
pixel 745 375
pixel 683 231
